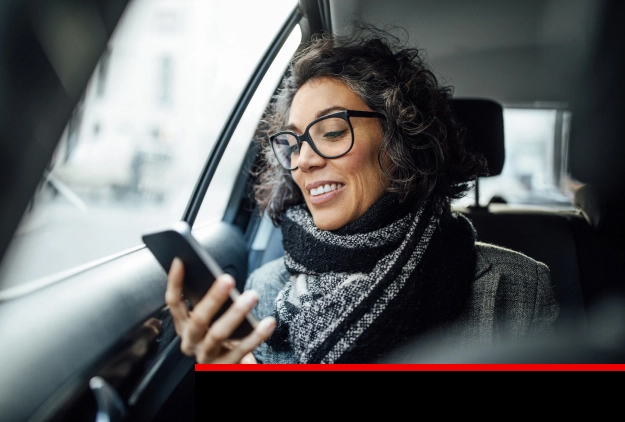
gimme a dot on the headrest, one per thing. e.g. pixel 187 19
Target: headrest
pixel 483 120
pixel 603 209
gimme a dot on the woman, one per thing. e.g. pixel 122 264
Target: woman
pixel 361 163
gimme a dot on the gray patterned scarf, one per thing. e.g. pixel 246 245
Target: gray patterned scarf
pixel 345 285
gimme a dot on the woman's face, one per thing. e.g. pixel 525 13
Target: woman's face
pixel 355 179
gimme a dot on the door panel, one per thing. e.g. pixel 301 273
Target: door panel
pixel 87 325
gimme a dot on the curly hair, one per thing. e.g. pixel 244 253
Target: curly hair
pixel 422 144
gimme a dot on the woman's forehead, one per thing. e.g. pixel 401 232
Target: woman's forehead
pixel 321 96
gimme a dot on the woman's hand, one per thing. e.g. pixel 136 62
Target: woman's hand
pixel 207 340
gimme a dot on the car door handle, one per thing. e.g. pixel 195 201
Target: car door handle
pixel 111 408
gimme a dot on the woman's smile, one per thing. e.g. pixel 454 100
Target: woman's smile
pixel 324 188
pixel 324 192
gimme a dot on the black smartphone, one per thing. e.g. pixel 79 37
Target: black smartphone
pixel 200 269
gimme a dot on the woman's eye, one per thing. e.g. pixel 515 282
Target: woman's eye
pixel 294 149
pixel 335 134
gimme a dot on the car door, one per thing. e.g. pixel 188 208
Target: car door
pixel 90 168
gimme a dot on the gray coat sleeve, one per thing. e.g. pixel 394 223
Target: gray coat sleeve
pixel 512 298
pixel 546 307
pixel 267 281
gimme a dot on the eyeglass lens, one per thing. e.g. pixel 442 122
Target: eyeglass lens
pixel 332 138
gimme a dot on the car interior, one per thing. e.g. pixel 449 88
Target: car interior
pixel 95 341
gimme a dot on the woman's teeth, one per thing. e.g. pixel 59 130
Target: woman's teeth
pixel 325 188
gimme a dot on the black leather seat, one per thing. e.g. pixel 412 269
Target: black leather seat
pixel 601 242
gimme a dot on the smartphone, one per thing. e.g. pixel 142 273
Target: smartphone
pixel 200 269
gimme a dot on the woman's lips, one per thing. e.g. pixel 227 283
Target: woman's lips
pixel 325 188
pixel 324 192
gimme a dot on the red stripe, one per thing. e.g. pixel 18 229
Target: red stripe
pixel 412 367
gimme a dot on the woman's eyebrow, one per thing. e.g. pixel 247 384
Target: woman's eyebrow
pixel 328 110
pixel 291 127
pixel 320 113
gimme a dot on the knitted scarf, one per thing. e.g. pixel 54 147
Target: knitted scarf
pixel 357 292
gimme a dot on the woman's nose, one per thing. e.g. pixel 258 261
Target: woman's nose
pixel 308 158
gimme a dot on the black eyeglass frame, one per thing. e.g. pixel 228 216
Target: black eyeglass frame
pixel 305 137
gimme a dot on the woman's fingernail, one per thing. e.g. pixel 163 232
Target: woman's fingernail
pixel 226 282
pixel 249 297
pixel 266 325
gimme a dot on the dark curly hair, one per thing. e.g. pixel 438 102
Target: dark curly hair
pixel 422 143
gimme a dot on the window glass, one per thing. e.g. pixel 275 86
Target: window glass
pixel 218 192
pixel 135 146
pixel 535 167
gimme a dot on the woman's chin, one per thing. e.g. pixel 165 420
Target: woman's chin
pixel 332 216
pixel 328 221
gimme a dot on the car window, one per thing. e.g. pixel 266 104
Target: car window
pixel 535 170
pixel 130 155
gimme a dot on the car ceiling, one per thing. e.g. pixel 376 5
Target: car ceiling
pixel 515 52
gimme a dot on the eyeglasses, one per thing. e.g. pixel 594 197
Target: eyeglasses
pixel 330 136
